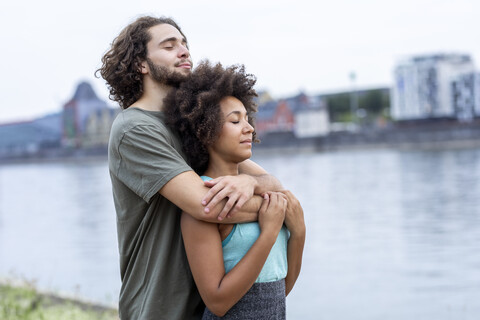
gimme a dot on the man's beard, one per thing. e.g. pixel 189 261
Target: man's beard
pixel 162 75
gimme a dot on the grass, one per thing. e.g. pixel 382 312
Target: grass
pixel 26 303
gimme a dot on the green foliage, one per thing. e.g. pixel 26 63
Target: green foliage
pixel 376 102
pixel 338 106
pixel 372 101
pixel 25 303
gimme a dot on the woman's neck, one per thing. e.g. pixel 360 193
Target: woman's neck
pixel 218 167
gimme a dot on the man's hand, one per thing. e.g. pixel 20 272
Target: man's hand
pixel 237 189
pixel 294 220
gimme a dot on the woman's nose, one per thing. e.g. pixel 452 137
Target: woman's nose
pixel 248 127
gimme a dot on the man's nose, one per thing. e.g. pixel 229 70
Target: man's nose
pixel 183 52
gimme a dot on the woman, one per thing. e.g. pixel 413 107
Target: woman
pixel 241 270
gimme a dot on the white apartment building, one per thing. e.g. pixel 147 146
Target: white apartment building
pixel 423 87
pixel 466 96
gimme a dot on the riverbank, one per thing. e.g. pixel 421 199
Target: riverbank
pixel 428 135
pixel 23 301
pixel 405 136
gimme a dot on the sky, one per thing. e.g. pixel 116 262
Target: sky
pixel 49 46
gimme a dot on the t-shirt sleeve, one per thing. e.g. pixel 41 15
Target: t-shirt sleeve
pixel 148 160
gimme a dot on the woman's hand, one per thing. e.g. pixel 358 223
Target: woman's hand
pixel 272 212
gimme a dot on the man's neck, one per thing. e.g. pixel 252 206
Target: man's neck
pixel 153 95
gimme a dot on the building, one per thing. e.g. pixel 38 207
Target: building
pixel 86 119
pixel 97 128
pixel 466 96
pixel 301 115
pixel 311 116
pixel 84 123
pixel 79 113
pixel 30 138
pixel 422 88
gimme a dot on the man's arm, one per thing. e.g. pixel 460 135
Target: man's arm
pixel 296 225
pixel 187 190
pixel 265 181
pixel 253 179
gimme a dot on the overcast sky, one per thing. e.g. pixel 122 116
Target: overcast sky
pixel 49 46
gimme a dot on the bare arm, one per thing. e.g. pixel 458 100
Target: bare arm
pixel 294 256
pixel 253 179
pixel 296 225
pixel 265 181
pixel 220 290
pixel 187 190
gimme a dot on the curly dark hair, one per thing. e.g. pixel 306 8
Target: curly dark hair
pixel 193 109
pixel 121 64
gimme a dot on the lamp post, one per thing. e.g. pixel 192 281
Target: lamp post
pixel 353 98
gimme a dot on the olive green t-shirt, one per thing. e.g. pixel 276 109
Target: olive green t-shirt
pixel 143 155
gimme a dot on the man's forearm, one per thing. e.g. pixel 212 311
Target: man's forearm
pixel 267 182
pixel 248 212
pixel 264 181
pixel 187 190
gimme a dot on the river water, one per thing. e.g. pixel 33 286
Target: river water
pixel 390 234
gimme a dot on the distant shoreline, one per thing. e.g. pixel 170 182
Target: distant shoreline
pixel 421 146
pixel 276 150
pixel 429 136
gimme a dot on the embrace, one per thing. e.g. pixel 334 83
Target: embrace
pixel 203 231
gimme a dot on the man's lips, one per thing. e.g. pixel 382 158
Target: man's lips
pixel 185 65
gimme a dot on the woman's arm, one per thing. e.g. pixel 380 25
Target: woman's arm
pixel 296 225
pixel 203 245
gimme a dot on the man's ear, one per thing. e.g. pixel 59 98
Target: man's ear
pixel 143 67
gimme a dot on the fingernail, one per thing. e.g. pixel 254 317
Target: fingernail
pixel 207 210
pixel 204 202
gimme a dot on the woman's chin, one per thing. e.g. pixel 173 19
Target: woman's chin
pixel 244 156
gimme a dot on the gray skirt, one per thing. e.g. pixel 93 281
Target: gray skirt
pixel 265 300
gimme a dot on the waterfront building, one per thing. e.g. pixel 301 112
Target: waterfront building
pixel 422 88
pixel 466 96
pixel 97 129
pixel 86 119
pixel 28 138
pixel 311 117
pixel 301 115
pixel 82 126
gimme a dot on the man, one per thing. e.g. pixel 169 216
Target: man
pixel 151 180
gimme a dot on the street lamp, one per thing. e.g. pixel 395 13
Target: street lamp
pixel 353 97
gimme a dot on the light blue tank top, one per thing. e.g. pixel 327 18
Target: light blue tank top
pixel 242 237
